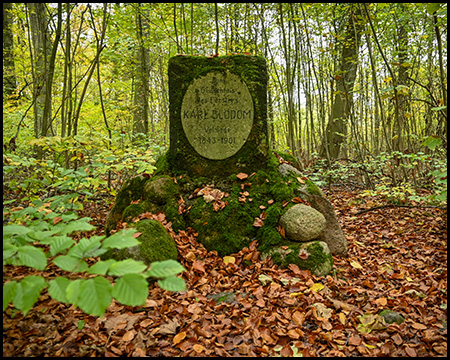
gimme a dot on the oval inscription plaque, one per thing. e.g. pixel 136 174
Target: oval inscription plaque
pixel 217 114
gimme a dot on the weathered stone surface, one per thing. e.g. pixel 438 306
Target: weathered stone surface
pixel 160 189
pixel 332 234
pixel 156 244
pixel 314 256
pixel 302 223
pixel 286 169
pixel 218 114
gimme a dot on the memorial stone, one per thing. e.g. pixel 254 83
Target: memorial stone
pixel 218 115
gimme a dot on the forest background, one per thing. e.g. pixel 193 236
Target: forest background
pixel 357 100
pixel 364 84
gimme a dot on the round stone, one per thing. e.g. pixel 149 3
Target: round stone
pixel 302 223
pixel 217 114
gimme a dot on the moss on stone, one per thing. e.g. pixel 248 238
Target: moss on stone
pixel 183 70
pixel 312 188
pixel 132 211
pixel 317 259
pixel 131 190
pixel 160 189
pixel 155 244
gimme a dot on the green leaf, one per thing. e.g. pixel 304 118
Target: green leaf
pixel 57 288
pixel 77 225
pixel 69 263
pixel 73 291
pixel 27 292
pixel 87 248
pixel 172 283
pixel 15 229
pixel 162 269
pixel 101 267
pixel 59 244
pixel 121 240
pixel 432 142
pixel 128 266
pixel 95 296
pixel 131 290
pixel 9 291
pixel 433 7
pixel 32 257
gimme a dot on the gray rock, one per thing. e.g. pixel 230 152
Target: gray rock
pixel 302 223
pixel 286 169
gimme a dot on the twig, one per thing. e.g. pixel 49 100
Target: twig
pixel 400 206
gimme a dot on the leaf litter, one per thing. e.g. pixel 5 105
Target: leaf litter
pixel 397 261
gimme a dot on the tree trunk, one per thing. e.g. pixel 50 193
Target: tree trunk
pixel 336 130
pixel 9 74
pixel 141 107
pixel 41 54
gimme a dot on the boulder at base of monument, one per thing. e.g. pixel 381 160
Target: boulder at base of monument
pixel 302 223
pixel 156 244
pixel 314 256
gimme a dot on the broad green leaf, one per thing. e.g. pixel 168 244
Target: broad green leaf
pixel 73 291
pixel 121 240
pixel 433 7
pixel 57 288
pixel 87 248
pixel 131 290
pixel 69 263
pixel 9 291
pixel 32 257
pixel 9 250
pixel 95 296
pixel 59 244
pixel 162 269
pixel 128 266
pixel 432 142
pixel 101 267
pixel 15 229
pixel 77 225
pixel 27 292
pixel 172 283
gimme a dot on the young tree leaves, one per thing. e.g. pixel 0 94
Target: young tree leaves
pixel 95 295
pixel 27 292
pixel 131 289
pixel 32 257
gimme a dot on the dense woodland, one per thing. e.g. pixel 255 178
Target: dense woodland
pixel 357 101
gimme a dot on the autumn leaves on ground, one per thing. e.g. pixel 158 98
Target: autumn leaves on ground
pixel 242 306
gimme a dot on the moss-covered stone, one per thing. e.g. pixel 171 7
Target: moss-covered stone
pixel 160 189
pixel 314 256
pixel 156 244
pixel 183 71
pixel 131 190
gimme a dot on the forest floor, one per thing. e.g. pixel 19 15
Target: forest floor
pixel 397 260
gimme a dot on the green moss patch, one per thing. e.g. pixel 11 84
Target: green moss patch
pixel 156 244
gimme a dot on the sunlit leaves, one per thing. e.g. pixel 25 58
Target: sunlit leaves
pixel 27 292
pixel 131 289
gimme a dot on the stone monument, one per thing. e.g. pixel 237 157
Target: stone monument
pixel 218 114
pixel 219 177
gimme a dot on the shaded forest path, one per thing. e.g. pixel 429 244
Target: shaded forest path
pixel 397 260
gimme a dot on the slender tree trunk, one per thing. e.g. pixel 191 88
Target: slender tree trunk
pixel 336 130
pixel 40 56
pixel 141 107
pixel 9 74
